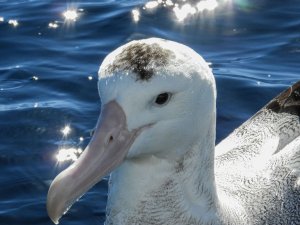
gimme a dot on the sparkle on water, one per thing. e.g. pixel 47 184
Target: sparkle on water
pixel 68 154
pixel 187 10
pixel 66 130
pixel 169 3
pixel 13 23
pixel 135 15
pixel 181 9
pixel 70 14
pixel 35 78
pixel 152 4
pixel 207 5
pixel 53 25
pixel 184 11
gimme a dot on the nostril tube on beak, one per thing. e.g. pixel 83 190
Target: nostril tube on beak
pixel 109 139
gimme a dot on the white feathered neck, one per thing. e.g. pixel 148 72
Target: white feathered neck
pixel 151 189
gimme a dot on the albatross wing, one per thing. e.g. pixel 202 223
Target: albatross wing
pixel 259 163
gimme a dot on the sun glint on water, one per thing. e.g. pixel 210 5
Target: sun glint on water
pixel 13 22
pixel 182 9
pixel 66 130
pixel 68 154
pixel 70 14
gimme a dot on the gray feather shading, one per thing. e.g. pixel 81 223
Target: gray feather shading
pixel 259 163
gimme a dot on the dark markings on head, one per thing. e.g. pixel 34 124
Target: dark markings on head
pixel 142 59
pixel 288 101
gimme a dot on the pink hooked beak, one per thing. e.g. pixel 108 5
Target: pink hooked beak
pixel 106 150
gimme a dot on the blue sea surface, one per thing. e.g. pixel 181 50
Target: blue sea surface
pixel 48 80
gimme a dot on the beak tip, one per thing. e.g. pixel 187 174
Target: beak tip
pixel 55 221
pixel 53 208
pixel 54 218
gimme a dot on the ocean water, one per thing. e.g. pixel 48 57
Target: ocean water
pixel 48 80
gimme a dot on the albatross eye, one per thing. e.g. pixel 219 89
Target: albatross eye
pixel 162 98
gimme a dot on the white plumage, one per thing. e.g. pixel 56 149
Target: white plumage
pixel 172 173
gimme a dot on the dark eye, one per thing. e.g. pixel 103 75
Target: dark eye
pixel 162 98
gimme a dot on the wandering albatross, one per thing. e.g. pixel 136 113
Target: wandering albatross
pixel 156 136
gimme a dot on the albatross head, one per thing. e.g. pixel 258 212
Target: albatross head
pixel 157 98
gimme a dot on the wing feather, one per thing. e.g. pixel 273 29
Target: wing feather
pixel 258 165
